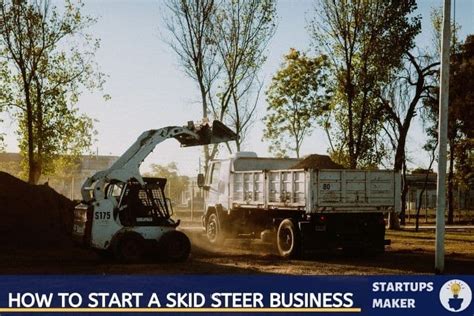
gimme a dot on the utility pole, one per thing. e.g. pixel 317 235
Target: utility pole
pixel 442 138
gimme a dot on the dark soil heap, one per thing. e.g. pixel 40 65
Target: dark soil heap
pixel 317 162
pixel 33 215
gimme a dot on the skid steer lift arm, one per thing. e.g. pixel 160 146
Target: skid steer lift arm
pixel 128 165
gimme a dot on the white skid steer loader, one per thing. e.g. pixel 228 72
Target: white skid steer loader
pixel 127 215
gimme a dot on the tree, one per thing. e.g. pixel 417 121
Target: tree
pixel 296 97
pixel 460 125
pixel 400 100
pixel 243 29
pixel 366 41
pixel 175 185
pixel 220 45
pixel 190 25
pixel 44 79
pixel 460 113
pixel 430 146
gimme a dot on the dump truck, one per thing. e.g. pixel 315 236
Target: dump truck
pixel 127 215
pixel 298 210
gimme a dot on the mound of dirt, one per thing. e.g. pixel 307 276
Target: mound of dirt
pixel 33 215
pixel 317 162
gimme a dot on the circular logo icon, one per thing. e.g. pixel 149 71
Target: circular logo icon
pixel 455 295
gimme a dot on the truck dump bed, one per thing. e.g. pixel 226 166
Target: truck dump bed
pixel 326 190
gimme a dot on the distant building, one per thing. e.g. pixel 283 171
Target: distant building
pixel 192 196
pixel 463 199
pixel 68 185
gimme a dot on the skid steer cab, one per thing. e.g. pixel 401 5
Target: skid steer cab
pixel 132 220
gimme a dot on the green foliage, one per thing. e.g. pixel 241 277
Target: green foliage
pixel 296 97
pixel 365 41
pixel 176 184
pixel 4 97
pixel 460 111
pixel 49 58
pixel 437 23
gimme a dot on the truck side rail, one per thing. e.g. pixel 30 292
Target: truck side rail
pixel 325 190
pixel 268 189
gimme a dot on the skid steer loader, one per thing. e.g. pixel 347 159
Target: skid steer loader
pixel 127 215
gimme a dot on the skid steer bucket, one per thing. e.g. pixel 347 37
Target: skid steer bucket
pixel 217 133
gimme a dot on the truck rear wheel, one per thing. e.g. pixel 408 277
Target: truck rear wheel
pixel 288 239
pixel 213 230
pixel 174 246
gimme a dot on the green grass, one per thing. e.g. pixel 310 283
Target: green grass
pixel 455 235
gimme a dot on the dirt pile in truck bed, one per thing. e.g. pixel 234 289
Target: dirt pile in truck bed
pixel 33 215
pixel 317 162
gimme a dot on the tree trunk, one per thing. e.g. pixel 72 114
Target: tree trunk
pixel 400 153
pixel 393 221
pixel 238 127
pixel 297 149
pixel 418 209
pixel 404 195
pixel 205 149
pixel 33 176
pixel 418 206
pixel 399 165
pixel 37 172
pixel 39 128
pixel 451 185
pixel 425 184
pixel 350 98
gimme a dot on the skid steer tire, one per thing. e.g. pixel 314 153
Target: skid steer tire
pixel 288 240
pixel 174 246
pixel 130 249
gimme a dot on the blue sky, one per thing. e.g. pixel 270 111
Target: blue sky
pixel 149 89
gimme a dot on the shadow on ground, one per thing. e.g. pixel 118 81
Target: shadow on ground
pixel 234 257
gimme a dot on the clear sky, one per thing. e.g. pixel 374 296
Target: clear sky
pixel 149 89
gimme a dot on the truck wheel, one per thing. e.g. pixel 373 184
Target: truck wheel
pixel 130 249
pixel 288 240
pixel 174 246
pixel 213 230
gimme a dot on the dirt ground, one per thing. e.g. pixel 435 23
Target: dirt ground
pixel 35 239
pixel 410 253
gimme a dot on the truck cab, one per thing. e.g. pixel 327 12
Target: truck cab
pixel 222 217
pixel 217 182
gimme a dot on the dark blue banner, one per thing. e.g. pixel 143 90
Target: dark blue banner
pixel 264 294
